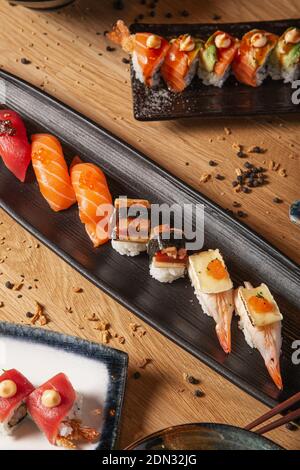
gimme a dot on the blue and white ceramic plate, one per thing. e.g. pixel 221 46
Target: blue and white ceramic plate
pixel 97 372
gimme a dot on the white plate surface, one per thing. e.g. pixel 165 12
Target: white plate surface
pixel 39 363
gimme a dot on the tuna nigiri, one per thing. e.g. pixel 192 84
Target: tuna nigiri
pixel 14 389
pixel 180 64
pixel 56 409
pixel 260 321
pixel 52 172
pixel 250 63
pixel 214 290
pixel 216 57
pixel 94 200
pixel 147 51
pixel 15 149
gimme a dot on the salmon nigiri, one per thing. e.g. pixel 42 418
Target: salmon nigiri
pixel 147 51
pixel 52 172
pixel 94 200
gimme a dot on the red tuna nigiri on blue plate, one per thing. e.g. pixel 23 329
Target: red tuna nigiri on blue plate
pixel 14 389
pixel 56 409
pixel 15 149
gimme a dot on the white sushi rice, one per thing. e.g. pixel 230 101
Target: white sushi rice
pixel 139 72
pixel 167 275
pixel 11 423
pixel 211 78
pixel 288 75
pixel 65 429
pixel 128 248
pixel 199 295
pixel 192 72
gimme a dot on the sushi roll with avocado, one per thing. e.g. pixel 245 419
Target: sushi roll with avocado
pixel 181 62
pixel 250 65
pixel 216 57
pixel 131 230
pixel 14 389
pixel 167 253
pixel 285 59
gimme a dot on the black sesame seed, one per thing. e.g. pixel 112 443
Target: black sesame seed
pixel 25 61
pixel 184 13
pixel 241 214
pixel 235 183
pixel 220 177
pixel 216 17
pixel 98 33
pixel 199 393
pixel 20 296
pixel 291 427
pixel 140 16
pixel 152 13
pixel 246 190
pixel 255 183
pixel 105 32
pixel 212 163
pixel 136 375
pixel 241 154
pixel 168 15
pixel 125 60
pixel 118 5
pixel 29 287
pixel 236 204
pixel 29 315
pixel 240 179
pixel 277 200
pixel 9 285
pixel 110 49
pixel 192 380
pixel 257 149
pixel 248 165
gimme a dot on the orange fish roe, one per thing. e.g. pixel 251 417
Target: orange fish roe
pixel 217 270
pixel 259 304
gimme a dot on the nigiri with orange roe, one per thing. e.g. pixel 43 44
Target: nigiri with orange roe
pixel 94 200
pixel 52 172
pixel 181 62
pixel 260 321
pixel 147 52
pixel 214 291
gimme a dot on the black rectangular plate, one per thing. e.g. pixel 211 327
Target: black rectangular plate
pixel 233 99
pixel 172 309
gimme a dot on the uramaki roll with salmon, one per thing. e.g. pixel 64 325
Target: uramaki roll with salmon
pixel 216 57
pixel 147 52
pixel 250 65
pixel 181 62
pixel 285 58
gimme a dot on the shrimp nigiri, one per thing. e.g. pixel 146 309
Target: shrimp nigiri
pixel 52 172
pixel 180 64
pixel 147 51
pixel 94 200
pixel 214 290
pixel 260 320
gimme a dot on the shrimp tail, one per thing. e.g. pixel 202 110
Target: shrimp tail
pixel 121 36
pixel 274 371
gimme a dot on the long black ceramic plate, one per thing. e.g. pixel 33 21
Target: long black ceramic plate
pixel 172 309
pixel 233 99
pixel 97 372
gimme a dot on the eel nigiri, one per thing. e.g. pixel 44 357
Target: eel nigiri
pixel 181 61
pixel 260 321
pixel 216 57
pixel 15 149
pixel 56 410
pixel 147 51
pixel 214 290
pixel 285 59
pixel 14 389
pixel 52 172
pixel 251 61
pixel 94 200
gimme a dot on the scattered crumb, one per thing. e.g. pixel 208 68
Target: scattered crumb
pixel 39 315
pixel 97 412
pixel 77 289
pixel 205 177
pixel 121 339
pixel 93 317
pixel 144 362
pixel 227 130
pixel 68 309
pixel 102 326
pixel 19 286
pixel 1 304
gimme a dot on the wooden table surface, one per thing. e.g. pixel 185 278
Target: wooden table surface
pixel 69 60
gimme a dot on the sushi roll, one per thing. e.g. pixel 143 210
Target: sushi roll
pixel 130 234
pixel 214 291
pixel 216 57
pixel 14 389
pixel 260 321
pixel 167 253
pixel 285 59
pixel 56 410
pixel 147 52
pixel 181 62
pixel 250 65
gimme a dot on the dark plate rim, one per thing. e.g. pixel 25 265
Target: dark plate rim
pixel 216 426
pixel 250 234
pixel 76 345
